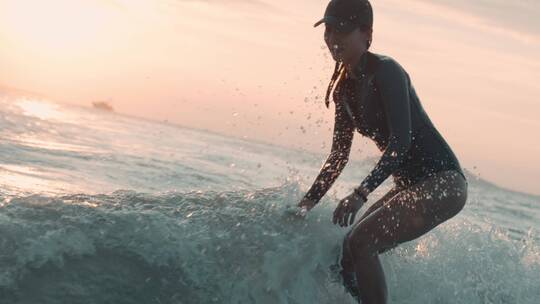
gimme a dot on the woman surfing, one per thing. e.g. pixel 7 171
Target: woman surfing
pixel 374 95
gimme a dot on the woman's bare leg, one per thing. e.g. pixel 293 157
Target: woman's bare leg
pixel 348 272
pixel 405 217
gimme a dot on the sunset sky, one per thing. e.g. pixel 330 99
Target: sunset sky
pixel 258 69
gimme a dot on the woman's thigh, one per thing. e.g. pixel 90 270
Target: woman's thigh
pixel 411 213
pixel 381 201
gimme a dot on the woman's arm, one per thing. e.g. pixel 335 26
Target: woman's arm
pixel 393 85
pixel 339 155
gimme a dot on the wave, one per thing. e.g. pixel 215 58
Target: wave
pixel 236 247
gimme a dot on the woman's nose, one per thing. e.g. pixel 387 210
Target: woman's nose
pixel 330 39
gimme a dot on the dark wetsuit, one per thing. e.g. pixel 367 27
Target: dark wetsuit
pixel 382 104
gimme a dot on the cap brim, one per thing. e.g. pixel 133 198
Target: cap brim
pixel 327 19
pixel 342 26
pixel 319 22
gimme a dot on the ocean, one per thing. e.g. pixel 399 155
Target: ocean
pixel 99 207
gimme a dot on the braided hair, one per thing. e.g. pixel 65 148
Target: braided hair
pixel 337 71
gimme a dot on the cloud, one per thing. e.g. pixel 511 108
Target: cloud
pixel 520 16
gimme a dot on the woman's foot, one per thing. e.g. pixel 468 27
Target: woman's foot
pixel 345 278
pixel 350 283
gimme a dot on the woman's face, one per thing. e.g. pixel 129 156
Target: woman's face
pixel 346 46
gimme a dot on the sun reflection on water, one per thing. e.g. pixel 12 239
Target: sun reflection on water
pixel 41 109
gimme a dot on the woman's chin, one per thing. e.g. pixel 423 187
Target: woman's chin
pixel 337 57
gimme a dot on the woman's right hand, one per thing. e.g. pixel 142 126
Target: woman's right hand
pixel 307 204
pixel 301 208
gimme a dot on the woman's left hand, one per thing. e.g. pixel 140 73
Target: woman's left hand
pixel 347 208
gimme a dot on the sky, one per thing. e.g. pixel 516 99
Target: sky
pixel 258 69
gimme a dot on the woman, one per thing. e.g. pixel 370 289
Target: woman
pixel 375 96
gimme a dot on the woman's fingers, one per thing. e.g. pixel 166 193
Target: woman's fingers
pixel 353 215
pixel 346 215
pixel 343 219
pixel 342 214
pixel 337 214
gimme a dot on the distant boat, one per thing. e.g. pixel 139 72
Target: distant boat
pixel 102 105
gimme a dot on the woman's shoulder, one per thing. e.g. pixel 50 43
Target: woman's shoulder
pixel 383 58
pixel 387 65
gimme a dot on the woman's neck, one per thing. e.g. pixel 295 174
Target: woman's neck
pixel 351 66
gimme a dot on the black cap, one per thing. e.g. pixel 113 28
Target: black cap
pixel 346 15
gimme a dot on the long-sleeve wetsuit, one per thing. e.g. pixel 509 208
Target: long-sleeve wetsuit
pixel 392 116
